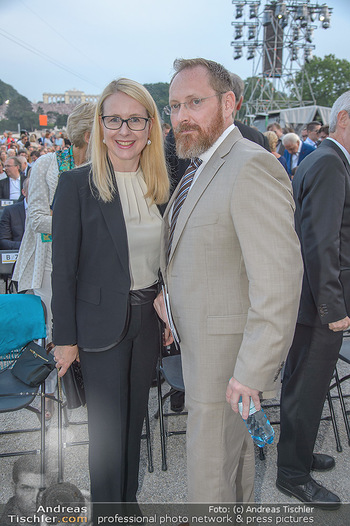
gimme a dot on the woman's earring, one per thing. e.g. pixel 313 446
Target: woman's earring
pixel 104 142
pixel 149 142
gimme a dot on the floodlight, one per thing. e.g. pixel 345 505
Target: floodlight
pixel 238 31
pixel 239 10
pixel 251 32
pixel 238 52
pixel 309 34
pixel 251 52
pixel 295 50
pixel 296 33
pixel 253 10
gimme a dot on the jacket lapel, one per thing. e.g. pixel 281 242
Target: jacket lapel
pixel 114 217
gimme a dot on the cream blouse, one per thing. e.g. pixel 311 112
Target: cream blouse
pixel 143 226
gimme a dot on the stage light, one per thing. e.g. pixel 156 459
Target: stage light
pixel 295 50
pixel 238 31
pixel 238 52
pixel 307 54
pixel 296 33
pixel 281 10
pixel 251 52
pixel 309 34
pixel 302 15
pixel 251 32
pixel 239 10
pixel 253 10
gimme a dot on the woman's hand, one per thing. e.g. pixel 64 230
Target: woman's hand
pixel 64 357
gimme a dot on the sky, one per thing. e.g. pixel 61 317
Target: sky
pixel 84 44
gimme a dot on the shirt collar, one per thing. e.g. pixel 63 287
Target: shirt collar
pixel 344 150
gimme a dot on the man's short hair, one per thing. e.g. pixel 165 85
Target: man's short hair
pixel 25 464
pixel 16 162
pixel 237 86
pixel 341 104
pixel 290 138
pixel 35 153
pixel 324 129
pixel 310 127
pixel 220 78
pixel 274 125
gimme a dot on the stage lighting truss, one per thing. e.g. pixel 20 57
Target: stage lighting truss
pixel 276 36
pixel 292 23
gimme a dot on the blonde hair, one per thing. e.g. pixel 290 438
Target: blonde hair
pixel 79 122
pixel 152 158
pixel 272 138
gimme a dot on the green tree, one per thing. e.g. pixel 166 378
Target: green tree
pixel 61 120
pixel 160 93
pixel 6 92
pixel 328 76
pixel 19 111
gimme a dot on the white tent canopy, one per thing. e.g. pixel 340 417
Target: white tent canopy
pixel 296 118
pixel 301 116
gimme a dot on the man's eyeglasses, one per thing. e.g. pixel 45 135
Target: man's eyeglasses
pixel 133 123
pixel 192 105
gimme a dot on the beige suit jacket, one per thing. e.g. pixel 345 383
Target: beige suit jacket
pixel 33 254
pixel 234 272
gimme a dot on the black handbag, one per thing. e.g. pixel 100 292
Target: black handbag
pixel 73 385
pixel 33 365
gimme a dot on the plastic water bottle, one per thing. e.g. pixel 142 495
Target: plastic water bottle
pixel 258 425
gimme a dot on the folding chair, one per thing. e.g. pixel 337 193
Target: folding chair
pixel 169 368
pixel 8 259
pixel 22 320
pixel 344 355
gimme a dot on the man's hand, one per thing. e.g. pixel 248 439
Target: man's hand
pixel 159 306
pixel 341 325
pixel 65 356
pixel 235 390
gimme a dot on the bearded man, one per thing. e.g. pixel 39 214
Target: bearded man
pixel 232 265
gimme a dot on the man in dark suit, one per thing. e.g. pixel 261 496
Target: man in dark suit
pixel 248 132
pixel 295 151
pixel 11 186
pixel 12 222
pixel 322 195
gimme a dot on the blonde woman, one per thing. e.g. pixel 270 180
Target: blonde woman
pixel 33 267
pixel 106 250
pixel 273 141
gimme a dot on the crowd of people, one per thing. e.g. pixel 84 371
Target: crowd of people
pixel 196 220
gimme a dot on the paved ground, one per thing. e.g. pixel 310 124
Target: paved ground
pixel 170 486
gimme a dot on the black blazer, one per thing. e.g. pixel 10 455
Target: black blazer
pixel 321 189
pixel 12 226
pixel 90 277
pixel 5 188
pixel 253 135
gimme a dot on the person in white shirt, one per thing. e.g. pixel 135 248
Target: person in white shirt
pixel 11 186
pixel 312 129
